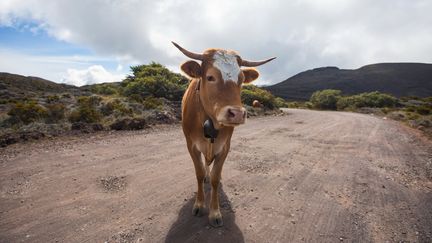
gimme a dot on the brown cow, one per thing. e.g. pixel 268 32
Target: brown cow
pixel 256 104
pixel 211 108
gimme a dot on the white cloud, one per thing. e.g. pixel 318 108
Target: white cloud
pixel 91 75
pixel 58 68
pixel 302 34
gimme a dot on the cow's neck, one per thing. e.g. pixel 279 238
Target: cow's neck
pixel 198 95
pixel 210 131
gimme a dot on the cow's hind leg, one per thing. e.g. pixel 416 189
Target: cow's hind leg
pixel 215 216
pixel 199 205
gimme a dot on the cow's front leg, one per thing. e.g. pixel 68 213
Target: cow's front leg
pixel 199 205
pixel 215 216
pixel 207 173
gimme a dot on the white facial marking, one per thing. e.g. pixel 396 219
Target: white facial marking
pixel 227 65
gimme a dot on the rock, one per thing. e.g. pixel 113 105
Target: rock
pixel 87 127
pixel 158 117
pixel 129 124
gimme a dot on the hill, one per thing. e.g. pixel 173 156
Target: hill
pixel 398 79
pixel 18 86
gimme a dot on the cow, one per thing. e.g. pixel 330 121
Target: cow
pixel 211 108
pixel 257 104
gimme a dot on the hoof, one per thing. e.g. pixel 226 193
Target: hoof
pixel 216 221
pixel 197 211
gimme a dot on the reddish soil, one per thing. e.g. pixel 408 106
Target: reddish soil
pixel 309 176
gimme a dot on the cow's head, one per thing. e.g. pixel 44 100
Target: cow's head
pixel 221 80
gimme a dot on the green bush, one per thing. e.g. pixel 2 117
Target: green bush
pixel 93 100
pixel 346 103
pixel 152 103
pixel 55 113
pixel 371 99
pixel 87 110
pixel 66 95
pixel 105 89
pixel 280 103
pixel 27 112
pixel 115 107
pixel 412 116
pixel 53 99
pixel 424 109
pixel 325 99
pixel 308 105
pixel 293 104
pixel 154 80
pixel 251 92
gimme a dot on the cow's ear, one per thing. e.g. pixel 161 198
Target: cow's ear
pixel 250 75
pixel 191 69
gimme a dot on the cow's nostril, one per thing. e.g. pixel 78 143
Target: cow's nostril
pixel 231 114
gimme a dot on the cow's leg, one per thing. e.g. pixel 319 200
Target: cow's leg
pixel 207 173
pixel 215 216
pixel 199 205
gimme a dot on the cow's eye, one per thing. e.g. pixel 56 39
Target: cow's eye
pixel 211 78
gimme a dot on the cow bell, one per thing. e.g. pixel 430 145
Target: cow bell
pixel 209 130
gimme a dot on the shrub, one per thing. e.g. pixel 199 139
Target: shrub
pixel 105 89
pixel 55 113
pixel 86 111
pixel 346 103
pixel 53 99
pixel 280 103
pixel 325 99
pixel 293 104
pixel 66 95
pixel 152 103
pixel 371 99
pixel 412 116
pixel 424 109
pixel 115 106
pixel 154 80
pixel 93 100
pixel 27 112
pixel 251 92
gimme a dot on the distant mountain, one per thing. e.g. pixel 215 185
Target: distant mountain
pixel 398 79
pixel 14 85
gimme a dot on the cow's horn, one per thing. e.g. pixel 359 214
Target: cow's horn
pixel 246 63
pixel 190 54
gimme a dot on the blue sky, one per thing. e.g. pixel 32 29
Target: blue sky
pixel 54 59
pixel 83 42
pixel 27 38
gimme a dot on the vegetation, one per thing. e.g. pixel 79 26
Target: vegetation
pixel 55 112
pixel 372 99
pixel 330 99
pixel 154 80
pixel 417 112
pixel 325 99
pixel 115 107
pixel 105 89
pixel 87 110
pixel 26 112
pixel 151 94
pixel 251 92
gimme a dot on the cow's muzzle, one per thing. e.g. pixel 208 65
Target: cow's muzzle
pixel 232 115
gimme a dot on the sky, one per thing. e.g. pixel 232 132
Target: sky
pixel 92 41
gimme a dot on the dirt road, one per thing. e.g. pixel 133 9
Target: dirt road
pixel 308 176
